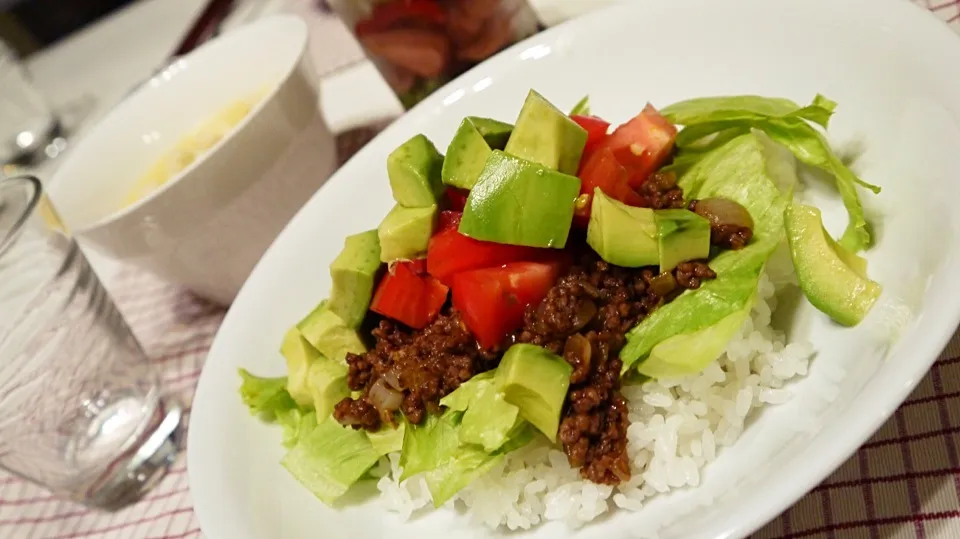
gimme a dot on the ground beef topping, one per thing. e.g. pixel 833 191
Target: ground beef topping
pixel 661 192
pixel 422 366
pixel 585 317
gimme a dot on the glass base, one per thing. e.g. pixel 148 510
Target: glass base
pixel 131 478
pixel 48 144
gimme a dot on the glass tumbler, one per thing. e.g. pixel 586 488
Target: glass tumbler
pixel 80 408
pixel 30 130
pixel 420 45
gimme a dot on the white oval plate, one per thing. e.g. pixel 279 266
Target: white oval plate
pixel 892 67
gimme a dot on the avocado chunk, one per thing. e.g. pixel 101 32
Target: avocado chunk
pixel 547 136
pixel 405 232
pixel 353 273
pixel 470 148
pixel 519 202
pixel 414 172
pixel 299 355
pixel 536 381
pixel 327 383
pixel 621 234
pixel 833 281
pixel 681 236
pixel 330 335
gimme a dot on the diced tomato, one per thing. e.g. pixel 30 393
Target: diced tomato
pixel 643 144
pixel 450 252
pixel 419 265
pixel 448 219
pixel 457 198
pixel 408 296
pixel 602 169
pixel 492 300
pixel 596 129
pixel 387 15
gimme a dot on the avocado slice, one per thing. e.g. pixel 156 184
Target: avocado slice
pixel 470 148
pixel 353 273
pixel 414 172
pixel 330 335
pixel 299 355
pixel 681 236
pixel 545 135
pixel 327 383
pixel 536 381
pixel 405 232
pixel 519 202
pixel 621 234
pixel 829 276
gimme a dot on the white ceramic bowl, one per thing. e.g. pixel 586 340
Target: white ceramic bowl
pixel 893 69
pixel 206 228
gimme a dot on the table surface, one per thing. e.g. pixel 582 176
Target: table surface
pixel 903 483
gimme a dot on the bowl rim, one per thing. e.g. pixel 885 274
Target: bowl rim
pixel 795 483
pixel 297 25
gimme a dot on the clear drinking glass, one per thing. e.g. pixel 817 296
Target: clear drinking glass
pixel 420 45
pixel 80 408
pixel 30 130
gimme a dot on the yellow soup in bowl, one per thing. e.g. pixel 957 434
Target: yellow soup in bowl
pixel 189 148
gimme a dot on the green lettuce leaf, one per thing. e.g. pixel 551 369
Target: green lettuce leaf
pixel 488 418
pixel 739 108
pixel 737 171
pixel 434 449
pixel 387 440
pixel 296 424
pixel 267 398
pixel 786 123
pixel 330 459
pixel 582 107
pixel 688 353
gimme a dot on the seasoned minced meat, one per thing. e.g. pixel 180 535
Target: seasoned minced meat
pixel 585 317
pixel 424 366
pixel 661 192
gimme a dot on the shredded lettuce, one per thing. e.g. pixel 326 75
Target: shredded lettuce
pixel 786 123
pixel 266 398
pixel 738 171
pixel 330 459
pixel 582 107
pixel 488 418
pixel 296 424
pixel 434 449
pixel 387 440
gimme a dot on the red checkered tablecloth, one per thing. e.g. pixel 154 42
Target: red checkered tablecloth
pixel 903 483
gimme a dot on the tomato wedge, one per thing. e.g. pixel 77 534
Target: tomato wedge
pixel 643 144
pixel 596 129
pixel 448 219
pixel 408 296
pixel 450 252
pixel 602 169
pixel 457 198
pixel 492 300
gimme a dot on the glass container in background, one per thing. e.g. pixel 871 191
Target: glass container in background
pixel 419 45
pixel 30 130
pixel 80 406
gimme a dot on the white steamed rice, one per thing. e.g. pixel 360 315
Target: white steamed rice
pixel 677 428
